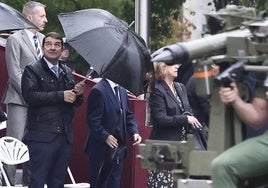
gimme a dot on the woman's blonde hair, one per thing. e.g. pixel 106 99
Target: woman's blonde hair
pixel 158 74
pixel 160 70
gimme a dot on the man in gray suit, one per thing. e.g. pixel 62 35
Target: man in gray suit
pixel 21 49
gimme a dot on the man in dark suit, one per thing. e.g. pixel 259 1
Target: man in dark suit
pixel 21 50
pixel 109 119
pixel 51 93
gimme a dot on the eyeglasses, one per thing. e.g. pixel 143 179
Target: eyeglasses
pixel 56 45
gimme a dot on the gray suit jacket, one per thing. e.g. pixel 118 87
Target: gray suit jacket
pixel 19 52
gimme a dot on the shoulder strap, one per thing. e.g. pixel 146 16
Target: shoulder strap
pixel 183 93
pixel 178 88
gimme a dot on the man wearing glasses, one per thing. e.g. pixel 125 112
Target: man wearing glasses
pixel 51 93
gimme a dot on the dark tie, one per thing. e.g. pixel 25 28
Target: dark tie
pixel 55 69
pixel 38 51
pixel 117 94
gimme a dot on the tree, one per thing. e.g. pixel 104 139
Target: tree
pixel 166 26
pixel 164 22
pixel 53 8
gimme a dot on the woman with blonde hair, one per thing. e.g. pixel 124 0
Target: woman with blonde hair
pixel 171 115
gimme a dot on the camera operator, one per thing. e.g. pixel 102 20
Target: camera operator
pixel 250 157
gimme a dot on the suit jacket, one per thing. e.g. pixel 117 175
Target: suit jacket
pixel 19 52
pixel 168 119
pixel 103 118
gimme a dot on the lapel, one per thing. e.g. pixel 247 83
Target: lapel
pixel 170 93
pixel 110 94
pixel 179 91
pixel 63 74
pixel 28 43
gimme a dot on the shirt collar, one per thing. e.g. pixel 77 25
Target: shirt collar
pixel 29 33
pixel 50 65
pixel 112 84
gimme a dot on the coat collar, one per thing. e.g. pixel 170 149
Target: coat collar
pixel 170 93
pixel 28 43
pixel 62 68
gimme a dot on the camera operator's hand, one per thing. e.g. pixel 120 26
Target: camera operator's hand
pixel 229 94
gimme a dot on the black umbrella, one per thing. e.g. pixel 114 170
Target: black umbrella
pixel 109 46
pixel 11 19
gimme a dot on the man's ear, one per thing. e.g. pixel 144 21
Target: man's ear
pixel 30 17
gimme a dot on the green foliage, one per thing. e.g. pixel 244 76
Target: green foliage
pixel 17 4
pixel 258 4
pixel 164 13
pixel 123 9
pixel 128 11
pixel 165 25
pixel 165 28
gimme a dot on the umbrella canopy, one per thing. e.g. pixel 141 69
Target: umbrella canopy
pixel 11 19
pixel 109 46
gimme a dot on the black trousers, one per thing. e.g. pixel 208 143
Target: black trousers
pixel 105 174
pixel 49 162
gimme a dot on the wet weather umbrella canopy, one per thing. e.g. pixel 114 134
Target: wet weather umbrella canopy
pixel 109 46
pixel 11 19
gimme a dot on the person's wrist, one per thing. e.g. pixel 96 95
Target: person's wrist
pixel 236 100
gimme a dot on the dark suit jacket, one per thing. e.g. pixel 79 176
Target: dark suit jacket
pixel 200 104
pixel 44 94
pixel 167 117
pixel 103 118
